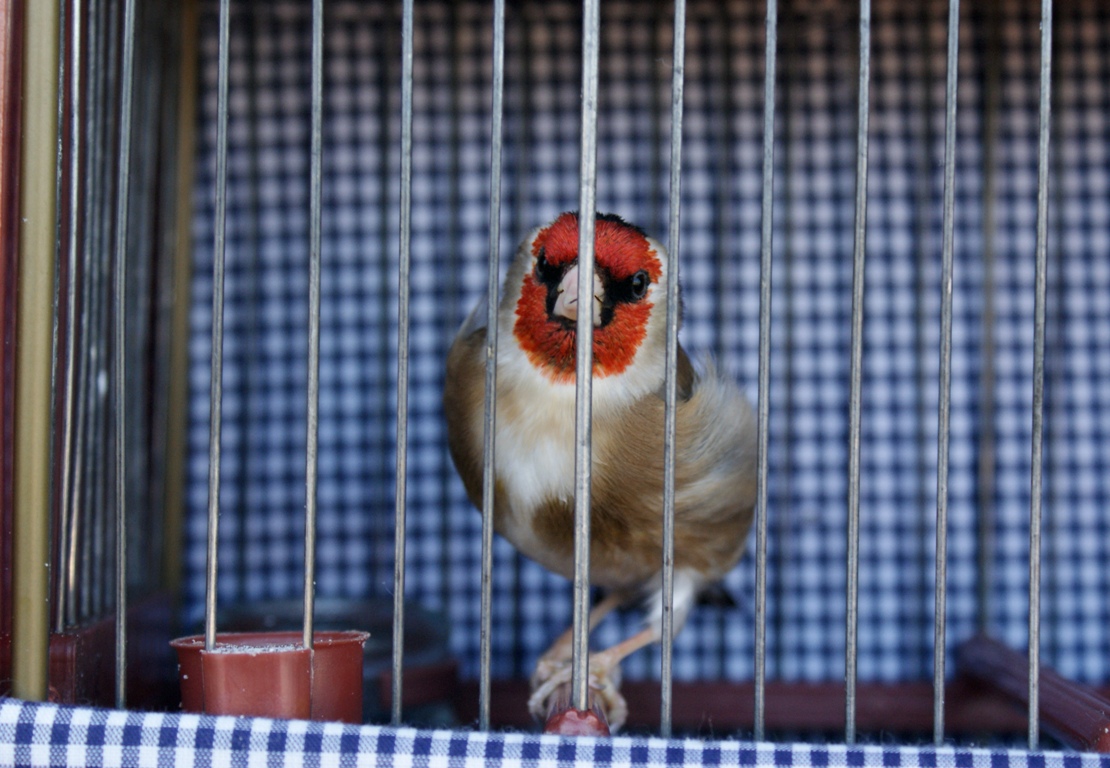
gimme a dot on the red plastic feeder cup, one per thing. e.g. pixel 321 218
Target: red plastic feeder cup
pixel 315 675
pixel 271 674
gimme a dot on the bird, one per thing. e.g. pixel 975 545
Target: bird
pixel 534 474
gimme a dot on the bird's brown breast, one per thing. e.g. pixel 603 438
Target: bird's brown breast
pixel 714 481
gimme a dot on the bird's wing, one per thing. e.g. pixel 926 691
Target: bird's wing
pixel 478 318
pixel 463 401
pixel 686 375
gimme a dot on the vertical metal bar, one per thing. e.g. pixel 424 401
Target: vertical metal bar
pixel 102 558
pixel 314 237
pixel 216 380
pixel 123 190
pixel 389 58
pixel 985 470
pixel 945 394
pixel 71 70
pixel 99 192
pixel 1038 373
pixel 587 207
pixel 402 356
pixel 488 445
pixel 855 399
pixel 34 305
pixel 765 266
pixel 81 524
pixel 678 74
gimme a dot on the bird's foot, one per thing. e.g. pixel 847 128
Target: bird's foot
pixel 549 675
pixel 606 685
pixel 604 682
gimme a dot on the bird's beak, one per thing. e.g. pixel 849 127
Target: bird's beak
pixel 566 303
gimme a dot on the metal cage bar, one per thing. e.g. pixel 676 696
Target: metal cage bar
pixel 405 260
pixel 216 376
pixel 123 192
pixel 856 374
pixel 945 394
pixel 766 252
pixel 34 302
pixel 104 47
pixel 77 535
pixel 488 444
pixel 316 153
pixel 69 71
pixel 119 233
pixel 88 480
pixel 666 673
pixel 587 205
pixel 1037 443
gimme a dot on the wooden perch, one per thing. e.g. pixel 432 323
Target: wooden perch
pixel 1072 712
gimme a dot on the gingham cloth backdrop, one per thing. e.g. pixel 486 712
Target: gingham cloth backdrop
pixel 51 737
pixel 265 345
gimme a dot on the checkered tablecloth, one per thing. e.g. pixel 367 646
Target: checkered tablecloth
pixel 48 736
pixel 265 346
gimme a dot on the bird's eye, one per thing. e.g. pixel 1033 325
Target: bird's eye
pixel 545 273
pixel 639 284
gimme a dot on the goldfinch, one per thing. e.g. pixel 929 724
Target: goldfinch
pixel 715 464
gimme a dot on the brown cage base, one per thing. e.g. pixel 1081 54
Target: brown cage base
pixel 992 701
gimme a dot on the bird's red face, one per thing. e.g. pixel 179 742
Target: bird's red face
pixel 626 267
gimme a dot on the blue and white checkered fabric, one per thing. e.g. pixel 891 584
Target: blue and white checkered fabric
pixel 265 345
pixel 47 736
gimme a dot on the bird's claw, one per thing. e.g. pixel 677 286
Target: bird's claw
pixel 547 678
pixel 605 683
pixel 608 689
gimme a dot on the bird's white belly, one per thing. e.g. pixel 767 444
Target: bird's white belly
pixel 535 465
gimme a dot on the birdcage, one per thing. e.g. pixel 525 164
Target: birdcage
pixel 239 240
